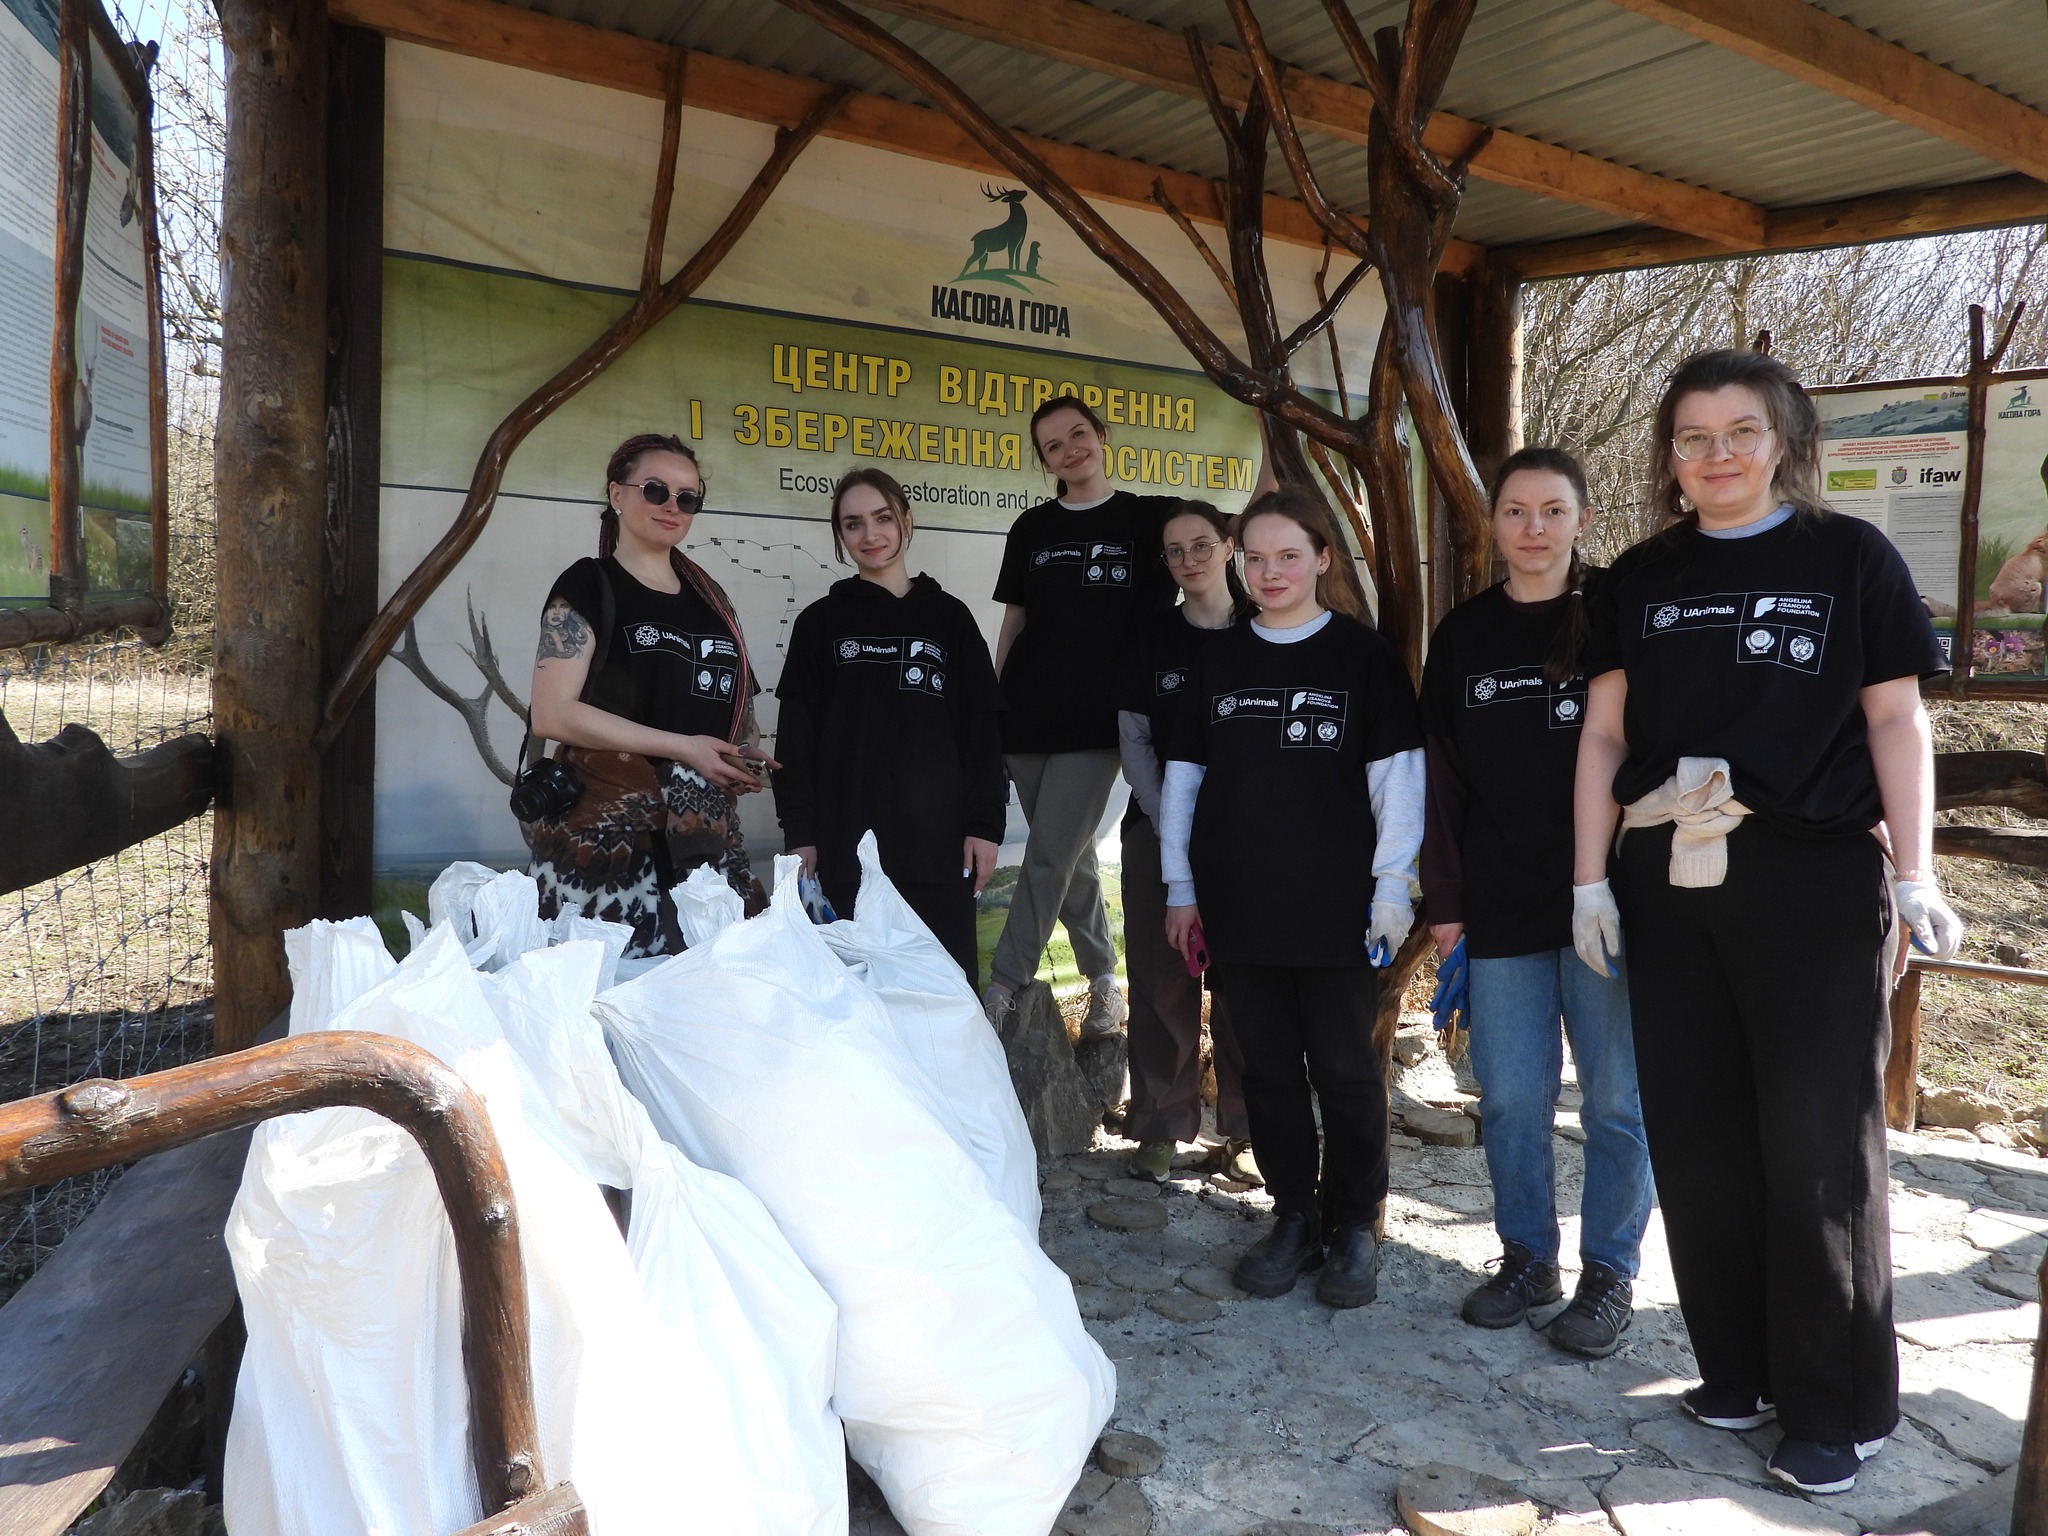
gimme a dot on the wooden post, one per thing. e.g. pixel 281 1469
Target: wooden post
pixel 1902 1068
pixel 74 160
pixel 1451 316
pixel 355 360
pixel 1495 353
pixel 270 477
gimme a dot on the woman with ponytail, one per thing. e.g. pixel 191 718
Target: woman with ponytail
pixel 642 678
pixel 1503 699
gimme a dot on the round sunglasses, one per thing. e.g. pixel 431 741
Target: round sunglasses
pixel 689 499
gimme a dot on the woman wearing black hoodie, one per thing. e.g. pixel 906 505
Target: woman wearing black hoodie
pixel 890 724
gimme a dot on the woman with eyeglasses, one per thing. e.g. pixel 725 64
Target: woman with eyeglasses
pixel 1503 700
pixel 642 678
pixel 1078 574
pixel 1166 996
pixel 1754 724
pixel 891 723
pixel 1289 821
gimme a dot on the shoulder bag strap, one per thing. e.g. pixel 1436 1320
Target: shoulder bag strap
pixel 708 590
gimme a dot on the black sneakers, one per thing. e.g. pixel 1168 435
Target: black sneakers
pixel 1812 1467
pixel 1279 1258
pixel 1522 1281
pixel 1602 1308
pixel 1351 1268
pixel 1725 1408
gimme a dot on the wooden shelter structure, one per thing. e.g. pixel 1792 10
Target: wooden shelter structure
pixel 1450 152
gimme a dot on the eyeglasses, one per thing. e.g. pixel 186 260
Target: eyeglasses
pixel 1201 552
pixel 688 499
pixel 1743 442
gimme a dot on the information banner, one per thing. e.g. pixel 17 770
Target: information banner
pixel 2012 524
pixel 881 310
pixel 114 349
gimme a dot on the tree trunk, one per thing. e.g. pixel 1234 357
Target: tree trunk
pixel 270 478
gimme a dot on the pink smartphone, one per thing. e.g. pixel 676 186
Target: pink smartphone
pixel 1197 955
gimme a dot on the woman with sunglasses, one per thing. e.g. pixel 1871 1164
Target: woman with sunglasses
pixel 1166 995
pixel 1753 721
pixel 890 723
pixel 642 677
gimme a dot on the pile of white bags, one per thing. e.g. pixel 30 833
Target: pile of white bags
pixel 878 1137
pixel 705 1346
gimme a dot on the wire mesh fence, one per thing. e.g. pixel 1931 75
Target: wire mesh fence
pixel 105 971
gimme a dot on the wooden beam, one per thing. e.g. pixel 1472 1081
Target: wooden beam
pixel 1841 58
pixel 68 801
pixel 1857 221
pixel 1088 37
pixel 503 34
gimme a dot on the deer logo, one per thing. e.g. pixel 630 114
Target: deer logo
pixel 1006 237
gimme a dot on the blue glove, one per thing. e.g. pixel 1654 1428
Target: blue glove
pixel 812 895
pixel 1453 996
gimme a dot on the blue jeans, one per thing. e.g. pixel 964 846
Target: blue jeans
pixel 1517 1056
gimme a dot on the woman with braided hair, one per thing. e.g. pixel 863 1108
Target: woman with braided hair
pixel 642 678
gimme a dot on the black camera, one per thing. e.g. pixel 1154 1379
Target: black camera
pixel 547 790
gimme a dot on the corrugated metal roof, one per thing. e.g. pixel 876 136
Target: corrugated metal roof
pixel 1584 74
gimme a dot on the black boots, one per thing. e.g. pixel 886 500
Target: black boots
pixel 1601 1310
pixel 1351 1268
pixel 1522 1281
pixel 1280 1257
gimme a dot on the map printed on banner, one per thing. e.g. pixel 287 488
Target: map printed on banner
pixel 112 401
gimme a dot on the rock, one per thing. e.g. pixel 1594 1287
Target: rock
pixel 1194 1157
pixel 1145 1279
pixel 1569 1128
pixel 2012 955
pixel 1100 1506
pixel 1126 1455
pixel 1174 1251
pixel 1184 1307
pixel 1695 1448
pixel 1443 1500
pixel 1289 1528
pixel 1129 1215
pixel 1961 1108
pixel 1131 1189
pixel 1662 1501
pixel 1080 1268
pixel 1411 1045
pixel 2021 1234
pixel 1503 1440
pixel 1053 1180
pixel 1104 1304
pixel 1103 1064
pixel 2005 1283
pixel 1225 1255
pixel 1216 1284
pixel 1229 1186
pixel 1441 1127
pixel 156 1512
pixel 1058 1102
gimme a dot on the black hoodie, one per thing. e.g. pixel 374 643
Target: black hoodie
pixel 889 721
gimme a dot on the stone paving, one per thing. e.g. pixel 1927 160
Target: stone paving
pixel 1283 1418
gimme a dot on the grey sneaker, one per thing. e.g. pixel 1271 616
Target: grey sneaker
pixel 1000 1006
pixel 1107 1009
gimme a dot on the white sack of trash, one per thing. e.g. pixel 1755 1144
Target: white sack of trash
pixel 859 1114
pixel 702 1336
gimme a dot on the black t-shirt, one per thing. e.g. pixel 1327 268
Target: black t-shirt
pixel 1084 580
pixel 1159 676
pixel 1513 746
pixel 889 722
pixel 673 663
pixel 1283 837
pixel 1756 650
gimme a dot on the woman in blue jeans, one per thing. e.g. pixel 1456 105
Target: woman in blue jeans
pixel 1502 702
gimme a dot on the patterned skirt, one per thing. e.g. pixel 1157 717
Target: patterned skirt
pixel 602 859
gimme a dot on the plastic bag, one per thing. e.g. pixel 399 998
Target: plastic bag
pixel 351 1415
pixel 938 1019
pixel 706 905
pixel 969 1388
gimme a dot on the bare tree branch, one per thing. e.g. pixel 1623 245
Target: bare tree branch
pixel 1331 303
pixel 1187 227
pixel 474 712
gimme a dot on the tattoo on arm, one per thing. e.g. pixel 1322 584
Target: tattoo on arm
pixel 563 633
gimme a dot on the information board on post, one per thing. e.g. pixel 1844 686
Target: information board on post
pixel 116 350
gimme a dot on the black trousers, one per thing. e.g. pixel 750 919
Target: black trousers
pixel 1166 1013
pixel 1303 1026
pixel 947 907
pixel 1761 1034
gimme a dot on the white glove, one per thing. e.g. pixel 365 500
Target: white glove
pixel 1596 926
pixel 1391 921
pixel 1936 929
